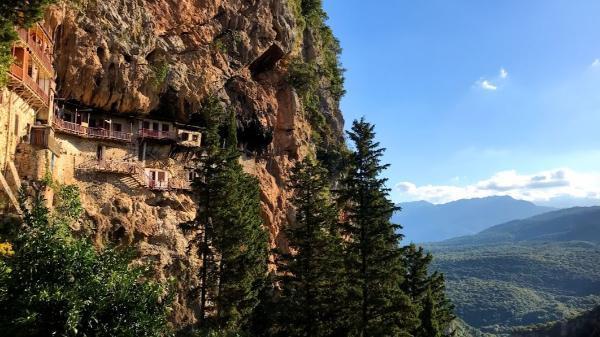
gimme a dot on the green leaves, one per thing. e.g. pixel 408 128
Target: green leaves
pixel 233 243
pixel 58 285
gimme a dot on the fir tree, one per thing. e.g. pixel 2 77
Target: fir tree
pixel 312 272
pixel 232 243
pixel 377 305
pixel 428 292
pixel 430 326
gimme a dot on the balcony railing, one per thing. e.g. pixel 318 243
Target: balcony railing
pixel 83 131
pixel 20 75
pixel 155 134
pixel 40 54
pixel 16 71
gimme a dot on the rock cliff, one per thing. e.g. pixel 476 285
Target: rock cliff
pixel 162 58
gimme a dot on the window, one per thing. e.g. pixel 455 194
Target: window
pixel 146 125
pixel 161 176
pixel 195 138
pixel 155 126
pixel 165 127
pixel 16 125
pixel 184 136
pixel 191 175
pixel 100 152
pixel 93 123
pixel 117 127
pixel 68 117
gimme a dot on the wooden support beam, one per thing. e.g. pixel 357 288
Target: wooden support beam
pixel 9 193
pixel 14 174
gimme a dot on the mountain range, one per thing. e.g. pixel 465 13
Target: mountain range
pixel 426 222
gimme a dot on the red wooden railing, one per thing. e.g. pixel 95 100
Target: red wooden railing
pixel 16 71
pixel 81 130
pixel 32 85
pixel 39 52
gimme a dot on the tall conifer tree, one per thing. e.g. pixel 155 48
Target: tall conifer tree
pixel 312 272
pixel 428 292
pixel 377 305
pixel 232 243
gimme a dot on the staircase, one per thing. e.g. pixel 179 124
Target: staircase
pixel 132 171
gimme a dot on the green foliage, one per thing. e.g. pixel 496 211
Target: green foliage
pixel 233 244
pixel 68 204
pixel 312 282
pixel 319 80
pixel 16 13
pixel 377 304
pixel 55 284
pixel 499 287
pixel 220 45
pixel 427 292
pixel 160 71
pixel 584 325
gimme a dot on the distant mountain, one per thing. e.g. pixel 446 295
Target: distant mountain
pixel 426 222
pixel 533 271
pixel 572 224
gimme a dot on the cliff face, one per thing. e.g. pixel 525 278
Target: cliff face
pixel 161 58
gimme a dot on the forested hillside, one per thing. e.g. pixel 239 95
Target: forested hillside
pixel 524 272
pixel 585 325
pixel 572 224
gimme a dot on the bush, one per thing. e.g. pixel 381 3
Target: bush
pixel 59 285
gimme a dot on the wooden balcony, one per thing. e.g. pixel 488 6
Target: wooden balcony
pixel 41 55
pixel 27 87
pixel 43 136
pixel 155 134
pixel 87 132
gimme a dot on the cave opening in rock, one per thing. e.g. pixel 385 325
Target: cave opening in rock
pixel 267 61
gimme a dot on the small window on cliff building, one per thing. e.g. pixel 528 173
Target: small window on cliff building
pixel 165 127
pixel 184 136
pixel 100 152
pixel 195 138
pixel 146 125
pixel 117 127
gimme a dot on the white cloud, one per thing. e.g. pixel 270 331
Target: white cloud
pixel 542 187
pixel 596 63
pixel 493 84
pixel 487 85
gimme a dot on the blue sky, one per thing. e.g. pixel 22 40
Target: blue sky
pixel 476 98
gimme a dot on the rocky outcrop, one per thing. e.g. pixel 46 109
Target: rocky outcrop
pixel 162 58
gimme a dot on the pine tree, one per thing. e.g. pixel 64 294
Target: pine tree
pixel 428 292
pixel 232 243
pixel 311 272
pixel 377 306
pixel 429 321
